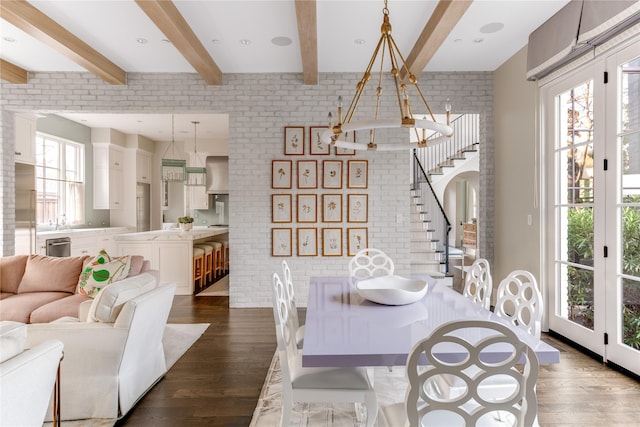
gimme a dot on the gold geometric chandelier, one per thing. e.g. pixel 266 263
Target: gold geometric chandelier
pixel 427 131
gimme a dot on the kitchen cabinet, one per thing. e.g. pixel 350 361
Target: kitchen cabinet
pixel 146 250
pixel 143 167
pixel 199 198
pixel 84 241
pixel 107 176
pixel 81 246
pixel 25 133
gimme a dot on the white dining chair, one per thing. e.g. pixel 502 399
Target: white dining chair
pixel 301 384
pixel 478 283
pixel 519 300
pixel 370 262
pixel 293 310
pixel 471 406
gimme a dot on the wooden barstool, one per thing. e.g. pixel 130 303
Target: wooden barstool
pixel 225 255
pixel 208 261
pixel 218 265
pixel 198 268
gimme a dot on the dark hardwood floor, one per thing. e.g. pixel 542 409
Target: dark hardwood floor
pixel 218 381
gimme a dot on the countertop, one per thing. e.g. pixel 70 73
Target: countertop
pixel 70 232
pixel 196 233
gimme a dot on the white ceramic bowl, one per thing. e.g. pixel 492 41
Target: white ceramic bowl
pixel 392 289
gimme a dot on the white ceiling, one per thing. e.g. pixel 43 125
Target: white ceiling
pixel 113 27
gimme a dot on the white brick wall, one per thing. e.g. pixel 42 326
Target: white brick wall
pixel 259 106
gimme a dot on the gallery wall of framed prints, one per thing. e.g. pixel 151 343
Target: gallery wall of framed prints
pixel 319 204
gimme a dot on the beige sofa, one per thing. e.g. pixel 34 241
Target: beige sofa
pixel 115 356
pixel 41 289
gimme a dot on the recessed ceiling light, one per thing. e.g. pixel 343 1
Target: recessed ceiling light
pixel 9 39
pixel 478 40
pixel 142 40
pixel 359 41
pixel 166 40
pixel 245 42
pixel 281 41
pixel 493 27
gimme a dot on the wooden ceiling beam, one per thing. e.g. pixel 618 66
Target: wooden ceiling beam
pixel 12 73
pixel 168 19
pixel 32 21
pixel 308 35
pixel 444 18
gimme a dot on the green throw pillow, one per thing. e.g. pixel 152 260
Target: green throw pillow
pixel 102 271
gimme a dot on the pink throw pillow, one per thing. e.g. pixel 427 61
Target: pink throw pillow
pixel 51 274
pixel 11 272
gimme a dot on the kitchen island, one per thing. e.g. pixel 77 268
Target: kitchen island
pixel 170 251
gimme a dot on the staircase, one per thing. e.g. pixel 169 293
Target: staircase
pixel 430 227
pixel 426 258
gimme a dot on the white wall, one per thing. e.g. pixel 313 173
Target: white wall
pixel 259 107
pixel 517 244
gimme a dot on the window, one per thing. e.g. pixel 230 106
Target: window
pixel 59 181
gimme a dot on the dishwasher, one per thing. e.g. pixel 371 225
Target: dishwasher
pixel 60 247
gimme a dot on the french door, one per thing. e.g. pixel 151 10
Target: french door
pixel 591 127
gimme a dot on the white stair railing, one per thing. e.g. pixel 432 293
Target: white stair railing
pixel 466 136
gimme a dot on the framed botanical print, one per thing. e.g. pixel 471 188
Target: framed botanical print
pixel 281 173
pixel 332 174
pixel 350 136
pixel 307 174
pixel 317 147
pixel 281 208
pixel 357 175
pixel 332 208
pixel 356 240
pixel 294 140
pixel 357 207
pixel 307 208
pixel 307 241
pixel 332 242
pixel 281 241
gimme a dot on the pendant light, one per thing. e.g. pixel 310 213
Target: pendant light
pixel 172 168
pixel 197 174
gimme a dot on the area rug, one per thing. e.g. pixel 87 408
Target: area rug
pixel 218 289
pixel 390 388
pixel 177 339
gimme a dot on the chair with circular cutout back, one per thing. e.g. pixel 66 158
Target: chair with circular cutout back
pixel 478 283
pixel 300 384
pixel 519 300
pixel 293 311
pixel 370 262
pixel 471 406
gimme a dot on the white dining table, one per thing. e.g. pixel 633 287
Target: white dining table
pixel 343 329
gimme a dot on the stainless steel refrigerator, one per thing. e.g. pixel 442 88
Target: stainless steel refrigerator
pixel 143 207
pixel 25 209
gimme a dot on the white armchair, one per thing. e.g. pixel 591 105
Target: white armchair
pixel 27 377
pixel 112 361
